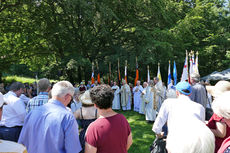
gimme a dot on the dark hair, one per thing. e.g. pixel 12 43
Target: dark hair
pixel 186 91
pixel 102 96
pixel 16 86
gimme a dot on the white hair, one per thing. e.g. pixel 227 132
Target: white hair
pixel 62 88
pixel 221 105
pixel 171 93
pixel 191 136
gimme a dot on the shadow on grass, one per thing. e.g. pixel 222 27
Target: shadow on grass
pixel 141 131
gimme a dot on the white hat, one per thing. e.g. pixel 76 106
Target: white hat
pixel 1 99
pixel 219 88
pixel 85 98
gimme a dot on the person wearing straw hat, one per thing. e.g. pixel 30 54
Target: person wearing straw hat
pixel 85 115
pixel 219 128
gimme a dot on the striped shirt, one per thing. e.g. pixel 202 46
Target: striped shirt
pixel 37 101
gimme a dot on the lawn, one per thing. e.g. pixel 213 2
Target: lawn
pixel 141 131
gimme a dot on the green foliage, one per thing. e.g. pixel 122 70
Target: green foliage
pixel 60 39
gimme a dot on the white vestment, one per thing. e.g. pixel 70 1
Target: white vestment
pixel 125 97
pixel 159 95
pixel 142 102
pixel 137 91
pixel 116 99
pixel 150 110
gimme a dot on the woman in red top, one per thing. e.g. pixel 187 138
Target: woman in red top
pixel 111 132
pixel 219 122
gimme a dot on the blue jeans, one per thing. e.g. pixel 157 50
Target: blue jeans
pixel 10 133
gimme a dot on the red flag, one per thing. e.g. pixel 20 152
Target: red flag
pixel 137 73
pixel 98 78
pixel 137 77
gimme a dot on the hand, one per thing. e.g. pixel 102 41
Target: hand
pixel 160 135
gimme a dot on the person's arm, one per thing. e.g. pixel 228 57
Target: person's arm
pixel 161 119
pixel 89 148
pixel 129 141
pixel 220 130
pixel 71 137
pixel 77 114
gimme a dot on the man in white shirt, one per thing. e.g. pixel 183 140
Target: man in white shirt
pixel 173 109
pixel 13 113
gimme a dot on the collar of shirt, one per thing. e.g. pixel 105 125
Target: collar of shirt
pixel 56 102
pixel 12 93
pixel 184 98
pixel 43 93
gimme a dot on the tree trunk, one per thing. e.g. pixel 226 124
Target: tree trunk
pixel 79 74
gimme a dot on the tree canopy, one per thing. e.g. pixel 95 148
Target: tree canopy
pixel 60 39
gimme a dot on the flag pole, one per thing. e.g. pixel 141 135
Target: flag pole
pixel 92 77
pixel 118 69
pixel 37 84
pixel 187 66
pixel 109 79
pixel 98 74
pixel 148 78
pixel 126 63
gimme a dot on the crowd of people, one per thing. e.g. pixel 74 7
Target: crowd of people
pixel 47 117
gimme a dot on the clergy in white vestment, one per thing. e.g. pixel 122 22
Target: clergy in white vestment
pixel 159 92
pixel 125 96
pixel 150 101
pixel 137 92
pixel 143 97
pixel 116 99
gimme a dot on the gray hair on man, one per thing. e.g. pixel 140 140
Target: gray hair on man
pixel 221 105
pixel 193 136
pixel 17 86
pixel 195 77
pixel 62 88
pixel 43 84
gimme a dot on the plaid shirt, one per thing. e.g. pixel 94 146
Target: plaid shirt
pixel 37 101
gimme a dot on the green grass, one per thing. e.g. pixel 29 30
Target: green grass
pixel 19 79
pixel 13 78
pixel 143 135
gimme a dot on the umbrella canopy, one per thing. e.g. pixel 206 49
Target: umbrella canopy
pixel 224 75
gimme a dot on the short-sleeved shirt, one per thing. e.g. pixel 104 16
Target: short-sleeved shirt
pixel 14 112
pixel 109 135
pixel 41 99
pixel 51 128
pixel 212 125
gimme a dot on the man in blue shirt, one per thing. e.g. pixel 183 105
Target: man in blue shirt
pixel 52 128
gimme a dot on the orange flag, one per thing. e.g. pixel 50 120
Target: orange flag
pixel 98 78
pixel 98 74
